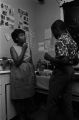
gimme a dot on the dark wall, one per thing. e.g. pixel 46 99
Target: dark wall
pixel 71 18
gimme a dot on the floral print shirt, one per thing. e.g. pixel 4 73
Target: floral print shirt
pixel 66 47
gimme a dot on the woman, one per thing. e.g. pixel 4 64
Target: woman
pixel 22 75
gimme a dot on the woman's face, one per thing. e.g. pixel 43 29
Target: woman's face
pixel 21 38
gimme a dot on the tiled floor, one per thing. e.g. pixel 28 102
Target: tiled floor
pixel 40 113
pixel 76 109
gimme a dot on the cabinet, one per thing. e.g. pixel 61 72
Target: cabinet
pixel 0 104
pixel 7 110
pixel 10 112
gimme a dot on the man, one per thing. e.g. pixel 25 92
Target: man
pixel 66 56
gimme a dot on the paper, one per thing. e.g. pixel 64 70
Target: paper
pixel 47 34
pixel 6 15
pixel 41 46
pixel 23 19
pixel 7 36
pixel 47 45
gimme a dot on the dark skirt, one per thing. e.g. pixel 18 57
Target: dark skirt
pixel 22 81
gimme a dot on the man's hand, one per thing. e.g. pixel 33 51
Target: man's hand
pixel 47 56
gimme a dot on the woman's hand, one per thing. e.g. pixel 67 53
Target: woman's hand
pixel 25 46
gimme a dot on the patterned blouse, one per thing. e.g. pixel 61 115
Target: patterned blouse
pixel 66 47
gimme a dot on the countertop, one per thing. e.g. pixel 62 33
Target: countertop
pixel 8 71
pixel 4 71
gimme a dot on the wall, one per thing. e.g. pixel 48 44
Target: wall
pixel 46 14
pixel 25 5
pixel 40 18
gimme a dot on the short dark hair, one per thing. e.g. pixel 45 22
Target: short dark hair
pixel 58 27
pixel 15 34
